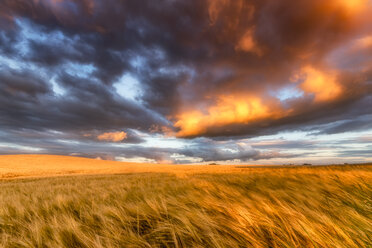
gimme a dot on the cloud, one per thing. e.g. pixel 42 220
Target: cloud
pixel 112 137
pixel 248 44
pixel 228 110
pixel 322 84
pixel 357 124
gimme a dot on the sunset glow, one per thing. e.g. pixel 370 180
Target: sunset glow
pixel 114 136
pixel 322 84
pixel 228 110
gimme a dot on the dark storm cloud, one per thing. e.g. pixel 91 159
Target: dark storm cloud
pixel 186 55
pixel 22 84
pixel 28 102
pixel 184 32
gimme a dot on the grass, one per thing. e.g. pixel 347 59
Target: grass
pixel 257 207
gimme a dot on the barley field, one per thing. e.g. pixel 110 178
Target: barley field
pixel 252 207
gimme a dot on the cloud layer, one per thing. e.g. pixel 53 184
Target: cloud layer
pixel 100 72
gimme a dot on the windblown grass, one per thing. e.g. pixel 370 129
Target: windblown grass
pixel 289 207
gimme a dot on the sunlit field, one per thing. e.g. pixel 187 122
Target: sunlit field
pixel 22 166
pixel 244 207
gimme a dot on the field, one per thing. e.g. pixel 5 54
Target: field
pixel 187 206
pixel 23 166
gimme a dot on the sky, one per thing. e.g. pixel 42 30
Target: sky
pixel 196 81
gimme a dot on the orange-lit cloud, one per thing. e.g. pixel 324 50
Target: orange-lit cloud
pixel 363 43
pixel 323 85
pixel 240 109
pixel 112 137
pixel 248 43
pixel 230 109
pixel 214 9
pixel 166 131
pixel 353 6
